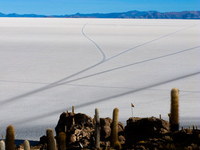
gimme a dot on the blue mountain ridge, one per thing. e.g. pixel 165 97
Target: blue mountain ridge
pixel 130 14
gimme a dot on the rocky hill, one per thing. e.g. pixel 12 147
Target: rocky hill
pixel 139 133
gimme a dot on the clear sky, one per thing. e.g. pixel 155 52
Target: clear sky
pixel 62 7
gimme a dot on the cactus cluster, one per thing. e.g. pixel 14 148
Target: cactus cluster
pixel 114 142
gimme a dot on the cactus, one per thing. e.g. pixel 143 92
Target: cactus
pixel 10 138
pixel 26 145
pixel 51 143
pixel 2 145
pixel 174 115
pixel 61 141
pixel 114 130
pixel 97 129
pixel 73 109
pixel 117 145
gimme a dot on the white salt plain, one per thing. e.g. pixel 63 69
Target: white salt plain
pixel 49 64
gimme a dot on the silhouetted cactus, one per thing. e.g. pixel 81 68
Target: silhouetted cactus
pixel 174 115
pixel 114 130
pixel 62 141
pixel 97 129
pixel 2 145
pixel 51 143
pixel 26 145
pixel 10 138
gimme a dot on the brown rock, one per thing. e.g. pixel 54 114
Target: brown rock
pixel 73 138
pixel 105 124
pixel 122 139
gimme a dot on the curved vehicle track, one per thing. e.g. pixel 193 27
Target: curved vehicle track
pixel 103 60
pixel 51 85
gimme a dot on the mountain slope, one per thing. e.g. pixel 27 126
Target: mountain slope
pixel 130 14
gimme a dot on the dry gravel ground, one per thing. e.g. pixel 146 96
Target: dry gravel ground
pixel 49 64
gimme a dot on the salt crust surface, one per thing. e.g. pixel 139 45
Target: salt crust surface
pixel 49 64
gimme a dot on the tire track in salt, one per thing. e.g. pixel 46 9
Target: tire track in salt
pixel 130 49
pixel 56 83
pixel 122 94
pixel 148 42
pixel 107 98
pixel 136 63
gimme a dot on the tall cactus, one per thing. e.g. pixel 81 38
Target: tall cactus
pixel 73 109
pixel 97 129
pixel 62 141
pixel 174 114
pixel 51 143
pixel 10 138
pixel 2 145
pixel 26 145
pixel 114 130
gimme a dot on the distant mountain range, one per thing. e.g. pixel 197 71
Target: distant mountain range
pixel 130 14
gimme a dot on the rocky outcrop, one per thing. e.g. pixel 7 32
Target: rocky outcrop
pixel 138 129
pixel 79 129
pixel 138 134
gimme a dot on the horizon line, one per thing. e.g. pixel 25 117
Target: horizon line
pixel 98 12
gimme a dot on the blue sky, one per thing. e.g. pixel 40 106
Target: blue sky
pixel 62 7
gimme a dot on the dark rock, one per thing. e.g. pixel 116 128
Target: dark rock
pixel 43 139
pixel 187 138
pixel 139 129
pixel 121 127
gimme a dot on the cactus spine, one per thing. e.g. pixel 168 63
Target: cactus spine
pixel 62 141
pixel 97 129
pixel 51 143
pixel 2 145
pixel 26 145
pixel 114 130
pixel 10 138
pixel 174 115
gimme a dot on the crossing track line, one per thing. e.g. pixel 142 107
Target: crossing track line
pixel 136 63
pixel 51 85
pixel 103 60
pixel 107 98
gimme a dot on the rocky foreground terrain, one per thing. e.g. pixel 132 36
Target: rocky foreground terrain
pixel 139 134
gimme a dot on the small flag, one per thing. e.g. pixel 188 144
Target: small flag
pixel 132 105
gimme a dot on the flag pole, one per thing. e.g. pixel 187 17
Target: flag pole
pixel 132 110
